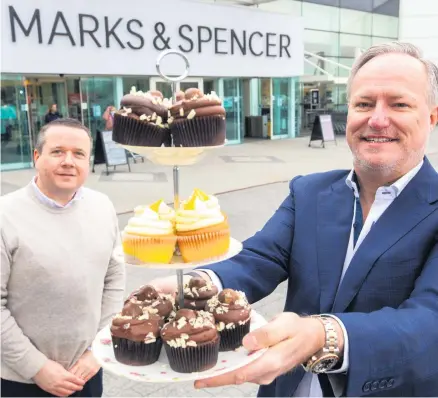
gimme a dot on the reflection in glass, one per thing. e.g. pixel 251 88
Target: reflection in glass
pixel 283 106
pixel 320 17
pixel 165 88
pixel 324 44
pixel 15 138
pixel 357 22
pixel 232 102
pixel 141 84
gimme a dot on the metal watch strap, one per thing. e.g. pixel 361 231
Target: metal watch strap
pixel 331 336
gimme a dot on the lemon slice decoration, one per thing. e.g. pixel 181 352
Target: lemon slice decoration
pixel 201 195
pixel 156 206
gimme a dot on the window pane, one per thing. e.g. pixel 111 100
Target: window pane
pixel 292 7
pixel 356 22
pixel 141 84
pixel 349 45
pixel 324 44
pixel 15 139
pixel 321 17
pixel 387 7
pixel 361 5
pixel 334 3
pixel 385 26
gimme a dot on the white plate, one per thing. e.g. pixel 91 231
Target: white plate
pixel 235 248
pixel 160 371
pixel 171 156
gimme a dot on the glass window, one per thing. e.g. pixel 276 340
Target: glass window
pixel 324 44
pixel 356 22
pixel 16 146
pixel 349 49
pixel 385 26
pixel 387 7
pixel 379 40
pixel 361 5
pixel 231 94
pixel 140 83
pixel 283 107
pixel 321 17
pixel 334 3
pixel 292 7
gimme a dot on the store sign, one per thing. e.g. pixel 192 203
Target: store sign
pixel 109 37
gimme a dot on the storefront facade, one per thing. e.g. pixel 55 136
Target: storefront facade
pixel 85 55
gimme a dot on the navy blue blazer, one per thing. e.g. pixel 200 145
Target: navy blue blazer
pixel 388 299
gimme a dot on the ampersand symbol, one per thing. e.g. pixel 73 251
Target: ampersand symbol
pixel 159 30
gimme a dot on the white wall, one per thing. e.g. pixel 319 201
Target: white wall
pixel 419 25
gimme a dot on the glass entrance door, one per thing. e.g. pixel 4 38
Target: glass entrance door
pixel 230 90
pixel 283 107
pixel 42 93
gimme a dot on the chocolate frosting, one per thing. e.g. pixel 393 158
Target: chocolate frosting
pixel 203 105
pixel 137 329
pixel 194 327
pixel 132 309
pixel 153 302
pixel 230 307
pixel 144 105
pixel 197 292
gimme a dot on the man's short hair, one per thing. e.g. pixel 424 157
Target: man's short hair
pixel 66 122
pixel 397 47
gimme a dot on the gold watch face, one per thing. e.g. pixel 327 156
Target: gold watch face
pixel 325 363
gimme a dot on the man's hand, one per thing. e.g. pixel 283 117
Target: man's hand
pixel 54 379
pixel 291 340
pixel 86 366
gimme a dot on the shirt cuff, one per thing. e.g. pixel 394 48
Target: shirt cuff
pixel 214 278
pixel 345 362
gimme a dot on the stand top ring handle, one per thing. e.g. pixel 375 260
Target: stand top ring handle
pixel 168 78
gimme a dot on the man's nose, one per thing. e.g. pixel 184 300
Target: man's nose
pixel 379 119
pixel 68 159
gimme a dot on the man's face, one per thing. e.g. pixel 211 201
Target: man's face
pixel 64 163
pixel 389 115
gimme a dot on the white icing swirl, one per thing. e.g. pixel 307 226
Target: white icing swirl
pixel 164 211
pixel 148 223
pixel 205 214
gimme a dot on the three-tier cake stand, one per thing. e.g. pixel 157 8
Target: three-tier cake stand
pixel 160 371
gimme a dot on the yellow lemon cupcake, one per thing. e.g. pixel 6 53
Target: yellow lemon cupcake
pixel 149 236
pixel 202 228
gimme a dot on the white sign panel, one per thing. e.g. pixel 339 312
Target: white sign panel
pixel 112 37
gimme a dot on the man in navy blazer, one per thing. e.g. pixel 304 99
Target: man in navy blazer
pixel 359 251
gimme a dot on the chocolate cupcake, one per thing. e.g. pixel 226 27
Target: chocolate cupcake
pixel 232 314
pixel 198 120
pixel 142 119
pixel 197 292
pixel 153 302
pixel 191 341
pixel 136 336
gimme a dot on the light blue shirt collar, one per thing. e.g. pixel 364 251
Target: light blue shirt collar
pixel 397 187
pixel 50 202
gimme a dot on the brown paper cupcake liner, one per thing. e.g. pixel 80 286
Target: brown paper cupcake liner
pixel 199 131
pixel 130 131
pixel 232 338
pixel 136 353
pixel 193 359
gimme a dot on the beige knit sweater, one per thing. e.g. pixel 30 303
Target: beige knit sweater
pixel 61 281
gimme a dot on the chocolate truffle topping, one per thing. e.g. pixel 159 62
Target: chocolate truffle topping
pixel 189 329
pixel 197 292
pixel 229 308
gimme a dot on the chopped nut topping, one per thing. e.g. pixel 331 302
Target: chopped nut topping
pixel 181 111
pixel 192 114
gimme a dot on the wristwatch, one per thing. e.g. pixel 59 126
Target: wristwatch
pixel 327 358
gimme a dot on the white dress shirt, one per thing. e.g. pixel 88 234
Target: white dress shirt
pixel 309 385
pixel 50 202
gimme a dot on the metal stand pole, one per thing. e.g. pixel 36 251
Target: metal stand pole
pixel 179 272
pixel 173 81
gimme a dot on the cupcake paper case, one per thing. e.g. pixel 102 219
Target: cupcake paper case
pixel 142 119
pixel 191 341
pixel 232 314
pixel 136 336
pixel 149 237
pixel 198 120
pixel 202 228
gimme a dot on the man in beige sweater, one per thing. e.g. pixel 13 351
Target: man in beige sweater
pixel 61 279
